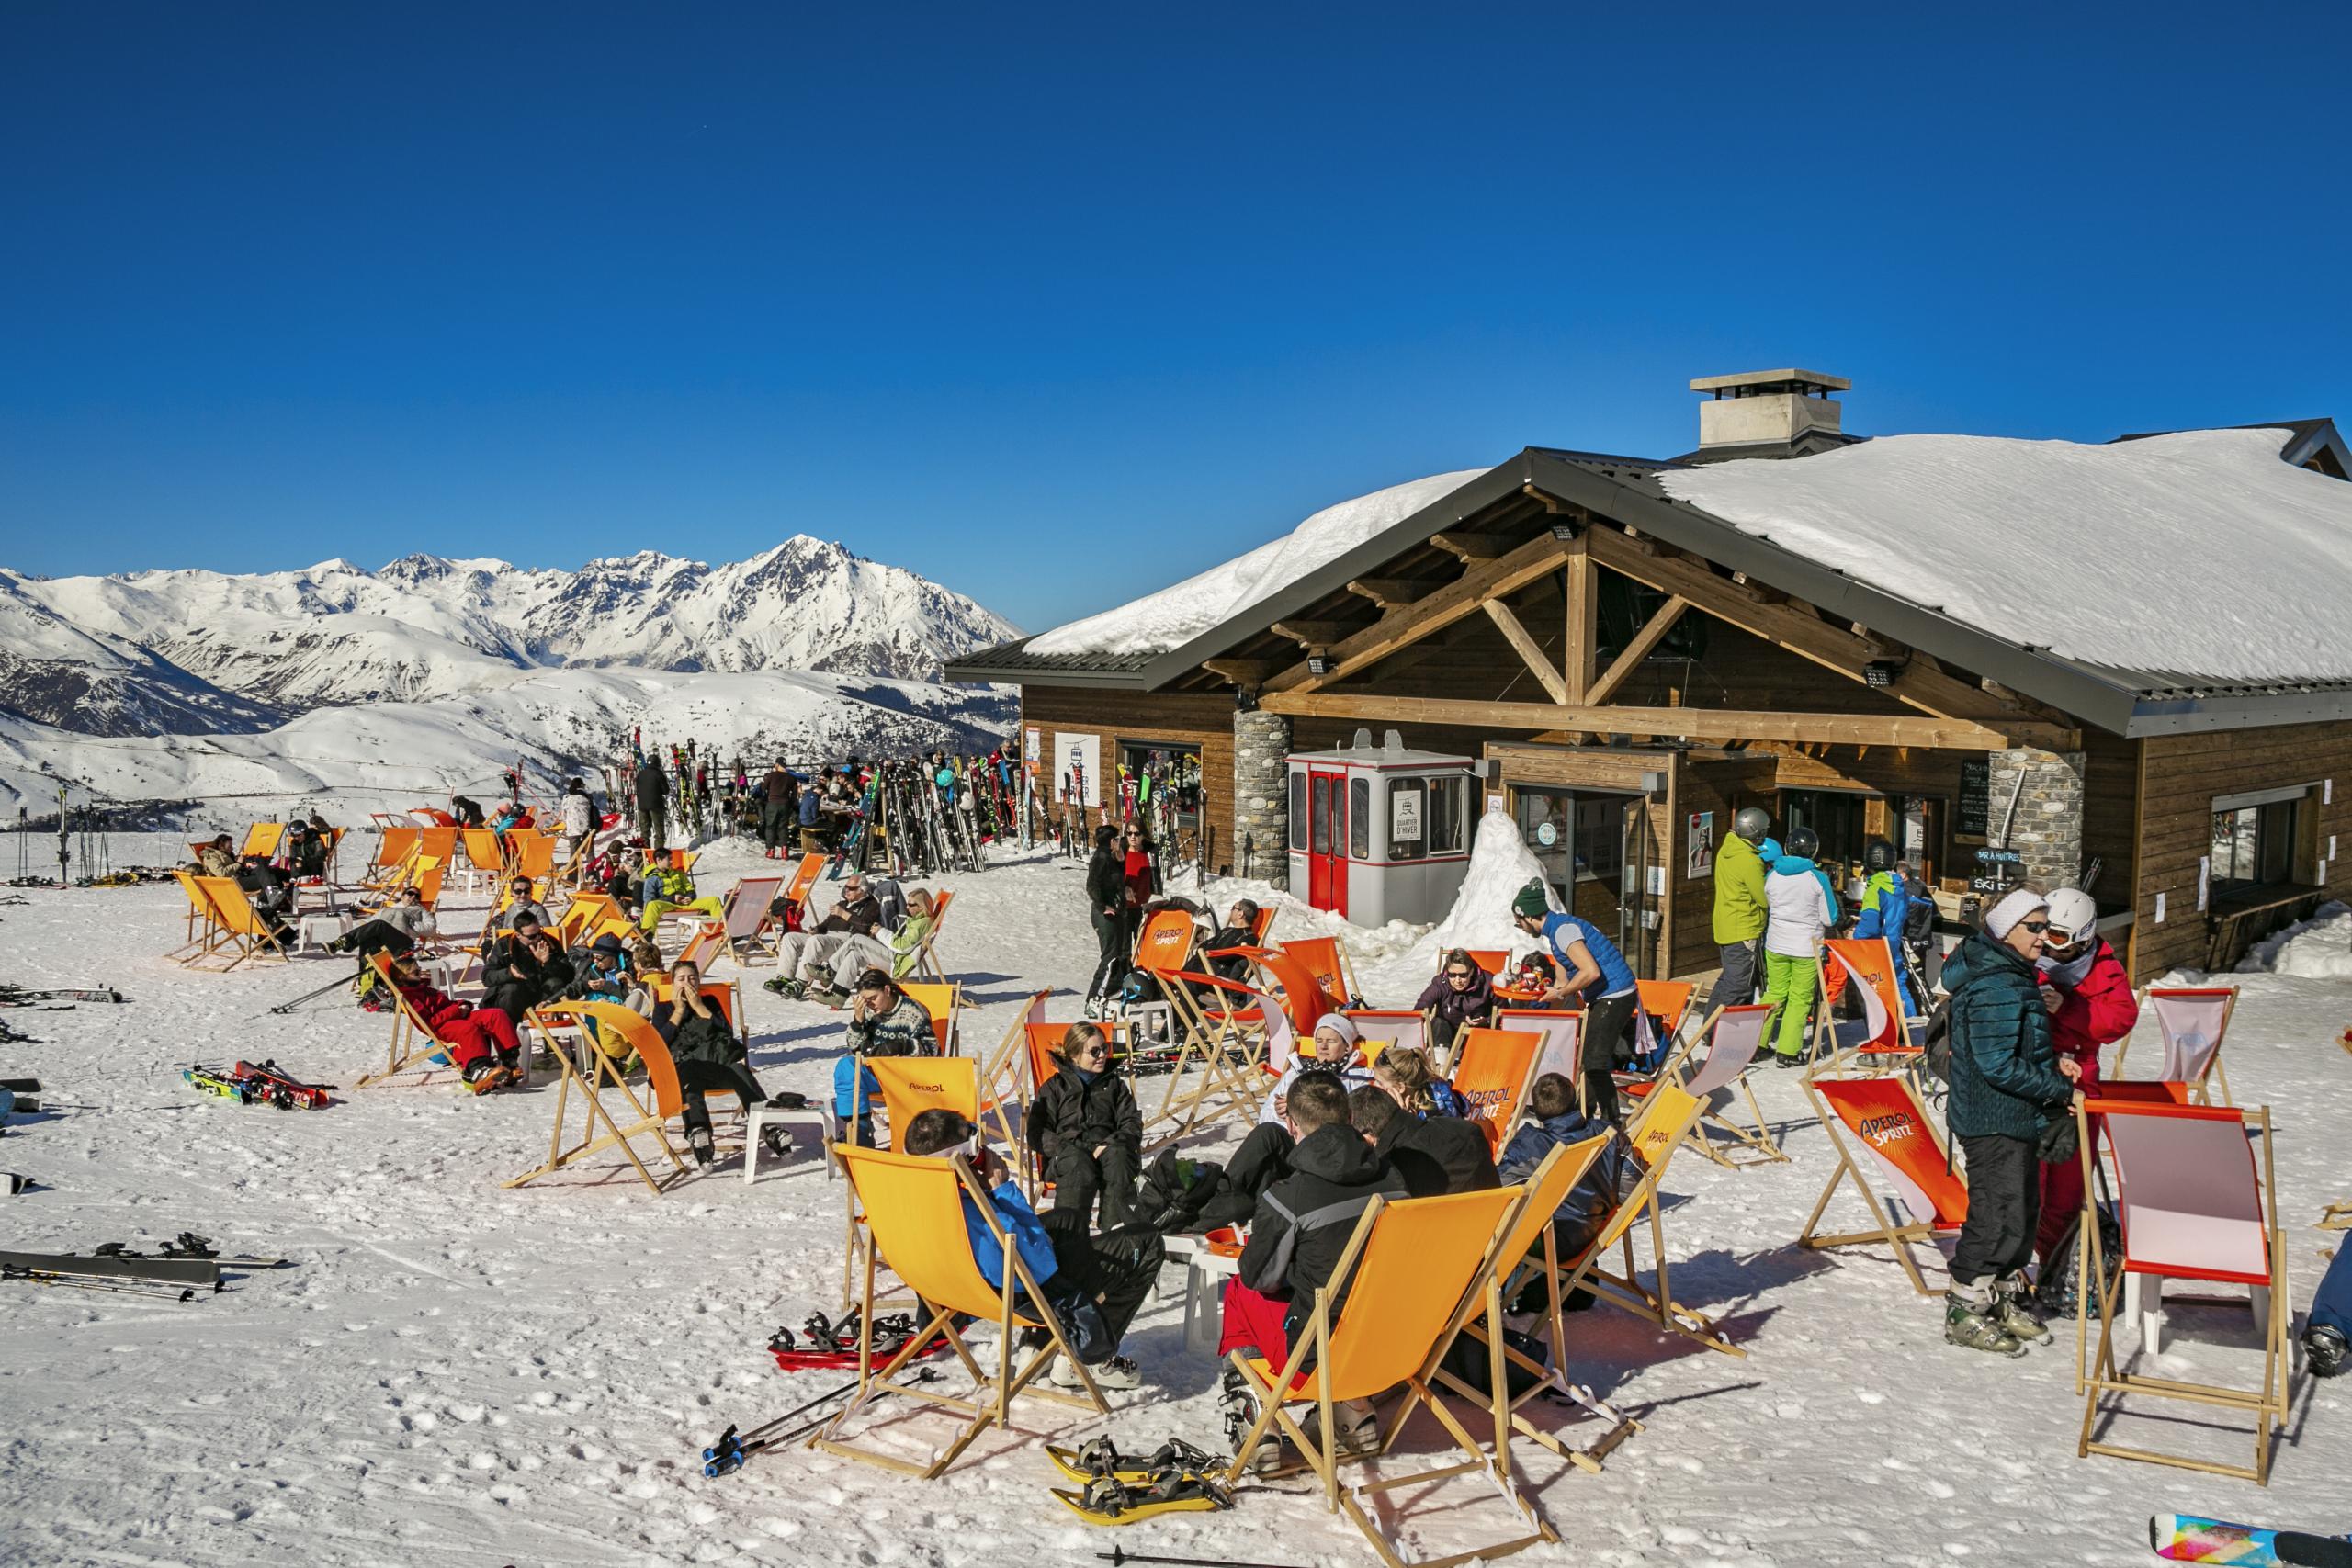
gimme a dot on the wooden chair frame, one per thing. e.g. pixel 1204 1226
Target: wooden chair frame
pixel 1018 1304
pixel 601 1073
pixel 1756 1138
pixel 902 1101
pixel 1824 1053
pixel 1003 1076
pixel 1476 1295
pixel 207 930
pixel 2200 1086
pixel 240 924
pixel 1897 1239
pixel 1229 1043
pixel 2104 1377
pixel 926 965
pixel 411 1042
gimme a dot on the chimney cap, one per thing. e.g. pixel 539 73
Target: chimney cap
pixel 1772 378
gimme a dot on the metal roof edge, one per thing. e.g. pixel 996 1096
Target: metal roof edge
pixel 1452 506
pixel 2070 688
pixel 2189 715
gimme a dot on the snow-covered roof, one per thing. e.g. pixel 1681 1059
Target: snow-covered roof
pixel 2193 558
pixel 1175 615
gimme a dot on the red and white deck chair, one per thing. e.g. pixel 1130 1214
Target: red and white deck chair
pixel 1883 1042
pixel 1903 1156
pixel 1562 1035
pixel 2193 1020
pixel 2193 1204
pixel 745 923
pixel 1733 1036
pixel 1380 1028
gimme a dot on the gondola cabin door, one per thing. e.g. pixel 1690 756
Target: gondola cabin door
pixel 1327 840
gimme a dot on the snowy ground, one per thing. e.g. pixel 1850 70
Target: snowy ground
pixel 459 1374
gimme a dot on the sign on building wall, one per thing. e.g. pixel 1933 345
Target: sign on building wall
pixel 1701 836
pixel 1036 739
pixel 1077 769
pixel 1405 815
pixel 1976 808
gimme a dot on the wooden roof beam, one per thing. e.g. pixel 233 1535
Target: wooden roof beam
pixel 1697 724
pixel 1314 634
pixel 1471 549
pixel 1622 667
pixel 1247 674
pixel 1516 636
pixel 1391 592
pixel 1538 557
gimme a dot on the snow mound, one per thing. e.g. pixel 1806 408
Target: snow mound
pixel 1175 615
pixel 2316 949
pixel 1501 864
pixel 1984 529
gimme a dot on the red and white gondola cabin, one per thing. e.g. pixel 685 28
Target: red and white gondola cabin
pixel 1381 833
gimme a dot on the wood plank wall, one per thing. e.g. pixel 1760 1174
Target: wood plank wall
pixel 2180 776
pixel 1173 717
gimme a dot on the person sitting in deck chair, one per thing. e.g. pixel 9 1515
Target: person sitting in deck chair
pixel 669 888
pixel 1335 1048
pixel 1552 1121
pixel 524 968
pixel 302 854
pixel 1407 1074
pixel 857 913
pixel 1238 930
pixel 522 900
pixel 1087 1131
pixel 1093 1283
pixel 704 1050
pixel 1461 995
pixel 1433 1157
pixel 396 927
pixel 1302 1228
pixel 218 858
pixel 481 1040
pixel 885 1022
pixel 267 890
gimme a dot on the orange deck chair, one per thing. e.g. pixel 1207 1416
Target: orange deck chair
pixel 584 1083
pixel 207 928
pixel 247 934
pixel 1884 1044
pixel 1005 1091
pixel 1881 1115
pixel 393 846
pixel 917 1205
pixel 1562 1035
pixel 1415 1269
pixel 1492 1070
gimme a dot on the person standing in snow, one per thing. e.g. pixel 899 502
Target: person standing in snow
pixel 1107 907
pixel 2091 1004
pixel 1886 911
pixel 578 824
pixel 779 803
pixel 1590 967
pixel 2009 1087
pixel 1740 911
pixel 1801 911
pixel 654 804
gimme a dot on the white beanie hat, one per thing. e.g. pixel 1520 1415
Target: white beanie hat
pixel 1341 1024
pixel 2015 907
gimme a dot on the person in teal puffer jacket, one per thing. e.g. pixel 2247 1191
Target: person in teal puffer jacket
pixel 2008 1085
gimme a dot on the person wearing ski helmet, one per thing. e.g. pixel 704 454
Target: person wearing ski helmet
pixel 1802 910
pixel 1886 906
pixel 2009 1086
pixel 1740 910
pixel 2091 1005
pixel 1594 970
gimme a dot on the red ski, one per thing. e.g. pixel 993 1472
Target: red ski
pixel 282 1089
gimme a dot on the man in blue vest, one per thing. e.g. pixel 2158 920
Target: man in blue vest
pixel 1886 908
pixel 1591 968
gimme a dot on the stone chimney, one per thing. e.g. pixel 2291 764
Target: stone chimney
pixel 1770 413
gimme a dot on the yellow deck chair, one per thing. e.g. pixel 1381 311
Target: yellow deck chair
pixel 1530 1237
pixel 262 838
pixel 483 854
pixel 247 933
pixel 393 847
pixel 1412 1265
pixel 942 1001
pixel 534 855
pixel 917 1206
pixel 911 1086
pixel 637 1120
pixel 413 1048
pixel 1664 1121
pixel 206 928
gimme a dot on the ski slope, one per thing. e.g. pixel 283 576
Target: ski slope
pixel 461 1375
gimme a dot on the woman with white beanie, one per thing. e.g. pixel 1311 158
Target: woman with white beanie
pixel 1334 1047
pixel 2009 1086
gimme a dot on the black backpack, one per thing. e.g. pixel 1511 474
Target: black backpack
pixel 1935 1039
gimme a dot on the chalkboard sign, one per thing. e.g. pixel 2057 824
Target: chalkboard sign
pixel 1999 857
pixel 1975 798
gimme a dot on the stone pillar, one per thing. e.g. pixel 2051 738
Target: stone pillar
pixel 1261 795
pixel 2047 827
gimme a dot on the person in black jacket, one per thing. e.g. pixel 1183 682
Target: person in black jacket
pixel 779 804
pixel 1434 1155
pixel 524 968
pixel 1302 1229
pixel 1085 1126
pixel 654 804
pixel 1106 897
pixel 704 1050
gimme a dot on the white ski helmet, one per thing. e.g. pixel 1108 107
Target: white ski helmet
pixel 2073 916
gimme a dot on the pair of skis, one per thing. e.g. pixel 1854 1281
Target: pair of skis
pixel 266 1083
pixel 2185 1538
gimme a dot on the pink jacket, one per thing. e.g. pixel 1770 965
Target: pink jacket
pixel 2098 1012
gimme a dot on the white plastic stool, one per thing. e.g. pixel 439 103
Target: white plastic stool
pixel 2146 1303
pixel 759 1116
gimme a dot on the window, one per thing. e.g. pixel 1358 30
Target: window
pixel 1360 818
pixel 1447 817
pixel 1319 815
pixel 1408 819
pixel 1835 817
pixel 1298 811
pixel 2254 844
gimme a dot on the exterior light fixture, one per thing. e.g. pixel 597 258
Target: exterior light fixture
pixel 1881 672
pixel 1316 664
pixel 1563 530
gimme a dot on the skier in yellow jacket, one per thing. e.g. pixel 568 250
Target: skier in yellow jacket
pixel 1740 910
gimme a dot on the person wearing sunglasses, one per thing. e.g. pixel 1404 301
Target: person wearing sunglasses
pixel 1461 995
pixel 2091 1005
pixel 2009 1087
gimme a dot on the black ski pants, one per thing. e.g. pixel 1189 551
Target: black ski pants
pixel 1115 1270
pixel 1112 931
pixel 371 937
pixel 2003 1207
pixel 1742 973
pixel 697 1077
pixel 1080 1177
pixel 1605 1045
pixel 776 825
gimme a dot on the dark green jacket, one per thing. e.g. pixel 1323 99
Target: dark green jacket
pixel 2004 1076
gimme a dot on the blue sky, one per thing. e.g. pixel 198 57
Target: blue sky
pixel 1057 305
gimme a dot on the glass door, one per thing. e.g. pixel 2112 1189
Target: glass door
pixel 1326 841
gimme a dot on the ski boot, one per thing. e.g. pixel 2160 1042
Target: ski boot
pixel 1969 1324
pixel 1112 1372
pixel 1238 1404
pixel 2013 1310
pixel 698 1141
pixel 484 1073
pixel 2325 1351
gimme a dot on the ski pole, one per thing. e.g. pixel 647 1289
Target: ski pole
pixel 1119 1555
pixel 286 1007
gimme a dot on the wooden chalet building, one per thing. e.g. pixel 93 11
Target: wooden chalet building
pixel 1864 637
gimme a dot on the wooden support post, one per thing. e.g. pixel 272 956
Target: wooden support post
pixel 1516 636
pixel 1584 615
pixel 1645 640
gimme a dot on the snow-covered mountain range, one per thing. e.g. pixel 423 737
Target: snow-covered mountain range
pixel 204 680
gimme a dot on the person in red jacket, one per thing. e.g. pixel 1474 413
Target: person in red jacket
pixel 2091 1005
pixel 481 1040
